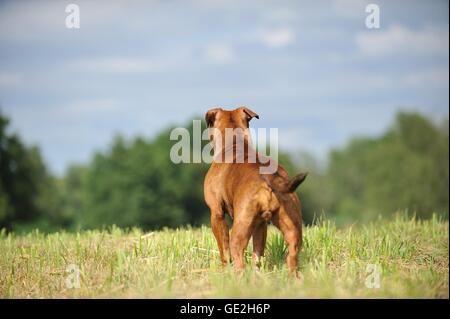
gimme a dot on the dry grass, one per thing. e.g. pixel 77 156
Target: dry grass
pixel 412 255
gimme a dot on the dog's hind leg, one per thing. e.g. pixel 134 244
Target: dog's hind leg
pixel 259 243
pixel 240 235
pixel 292 233
pixel 221 232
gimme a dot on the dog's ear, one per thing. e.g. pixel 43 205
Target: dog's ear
pixel 249 113
pixel 210 117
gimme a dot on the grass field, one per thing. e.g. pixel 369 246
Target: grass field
pixel 411 256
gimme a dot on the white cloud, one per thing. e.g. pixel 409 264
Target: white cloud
pixel 9 79
pixel 350 8
pixel 220 53
pixel 68 112
pixel 130 65
pixel 89 107
pixel 33 21
pixel 429 78
pixel 426 78
pixel 278 14
pixel 277 38
pixel 398 39
pixel 23 20
pixel 117 65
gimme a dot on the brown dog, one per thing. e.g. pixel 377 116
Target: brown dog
pixel 251 198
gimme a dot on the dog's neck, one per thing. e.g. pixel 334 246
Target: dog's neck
pixel 241 150
pixel 238 147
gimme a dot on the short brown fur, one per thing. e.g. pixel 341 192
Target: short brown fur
pixel 251 199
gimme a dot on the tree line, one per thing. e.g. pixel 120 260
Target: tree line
pixel 134 183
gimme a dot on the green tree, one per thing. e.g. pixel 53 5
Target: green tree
pixel 26 189
pixel 136 183
pixel 405 169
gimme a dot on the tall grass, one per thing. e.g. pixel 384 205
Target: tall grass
pixel 411 256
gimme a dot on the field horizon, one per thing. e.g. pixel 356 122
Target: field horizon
pixel 397 258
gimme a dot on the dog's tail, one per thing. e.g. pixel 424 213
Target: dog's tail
pixel 284 185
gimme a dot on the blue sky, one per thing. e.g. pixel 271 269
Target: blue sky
pixel 310 68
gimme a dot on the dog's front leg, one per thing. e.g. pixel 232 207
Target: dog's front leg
pixel 221 232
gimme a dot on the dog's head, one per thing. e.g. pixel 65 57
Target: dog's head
pixel 220 119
